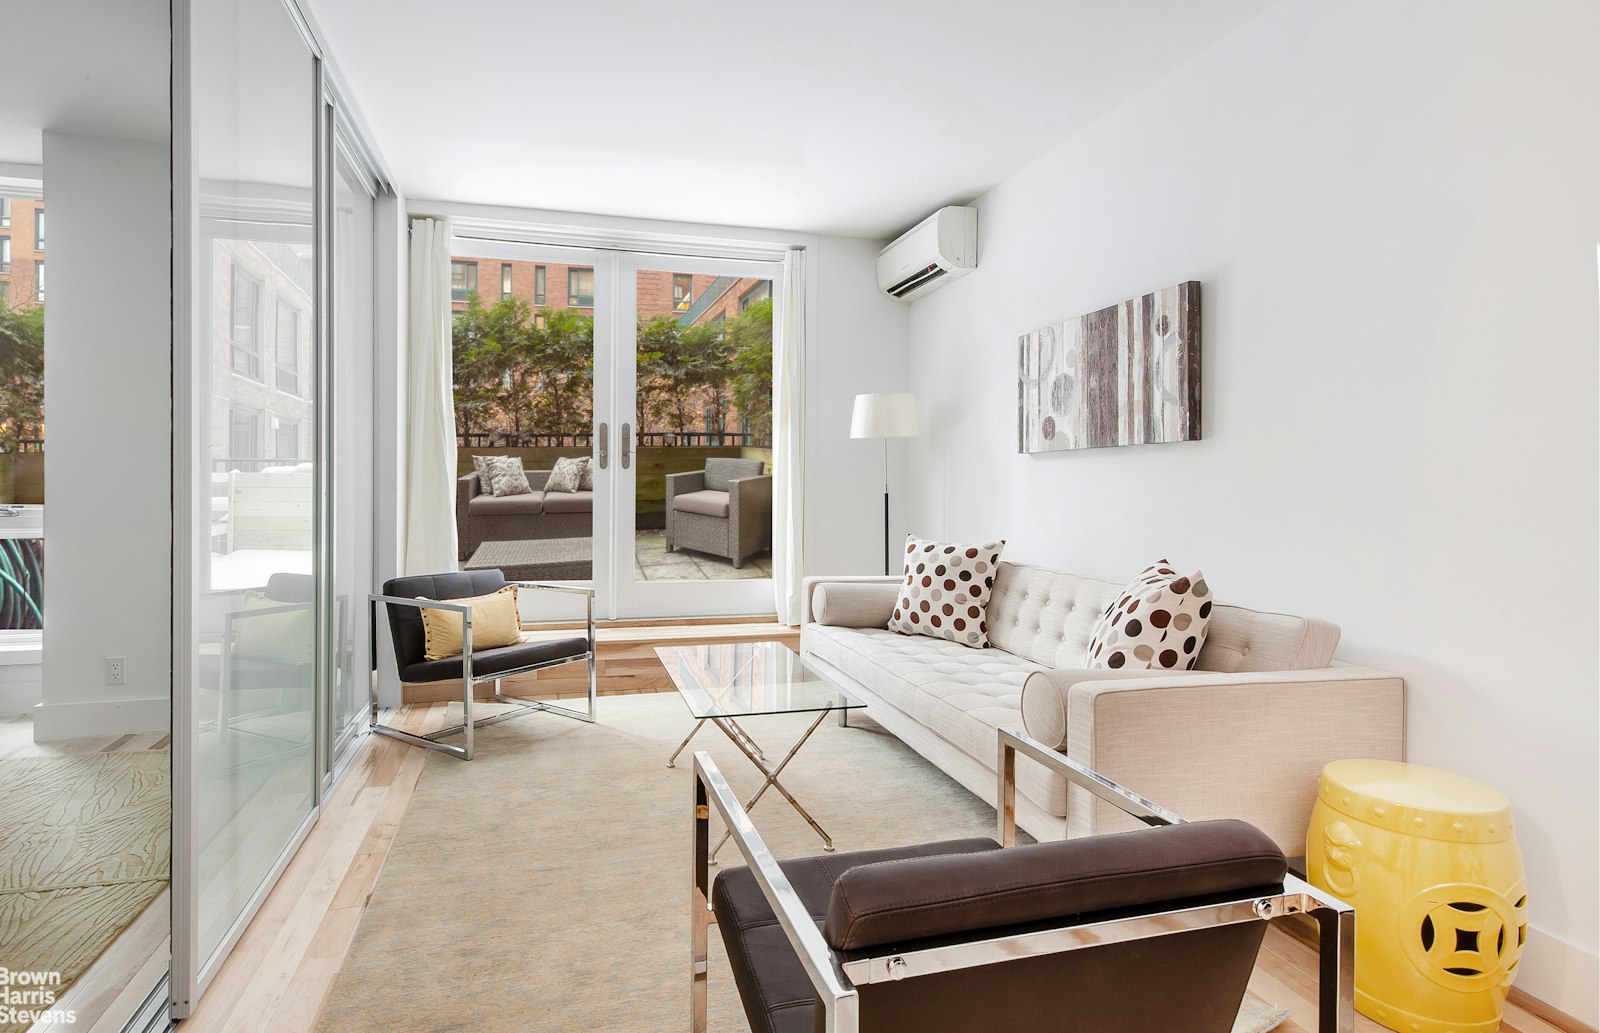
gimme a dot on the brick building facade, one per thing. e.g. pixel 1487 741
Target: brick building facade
pixel 22 226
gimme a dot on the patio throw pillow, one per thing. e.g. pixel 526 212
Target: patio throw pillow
pixel 1159 622
pixel 501 475
pixel 494 623
pixel 569 475
pixel 721 473
pixel 946 591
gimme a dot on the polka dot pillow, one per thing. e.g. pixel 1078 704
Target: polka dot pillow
pixel 1158 623
pixel 946 591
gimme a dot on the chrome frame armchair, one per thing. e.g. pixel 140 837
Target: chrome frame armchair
pixel 469 679
pixel 835 976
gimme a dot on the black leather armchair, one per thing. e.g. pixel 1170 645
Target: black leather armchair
pixel 406 597
pixel 1150 930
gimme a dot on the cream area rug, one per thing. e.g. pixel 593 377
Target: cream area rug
pixel 85 845
pixel 544 885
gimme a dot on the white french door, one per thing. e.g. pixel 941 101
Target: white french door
pixel 661 335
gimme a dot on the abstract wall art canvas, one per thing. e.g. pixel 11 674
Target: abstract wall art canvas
pixel 1125 375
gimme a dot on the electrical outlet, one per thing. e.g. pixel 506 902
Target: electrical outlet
pixel 116 670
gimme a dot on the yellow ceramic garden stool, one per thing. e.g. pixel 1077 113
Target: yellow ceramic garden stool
pixel 1429 861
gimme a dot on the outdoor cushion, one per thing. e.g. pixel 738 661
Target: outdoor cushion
pixel 706 503
pixel 529 503
pixel 721 473
pixel 569 502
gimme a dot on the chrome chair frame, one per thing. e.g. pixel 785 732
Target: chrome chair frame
pixel 469 680
pixel 835 980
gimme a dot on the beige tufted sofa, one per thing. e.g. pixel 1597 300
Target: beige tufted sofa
pixel 1245 735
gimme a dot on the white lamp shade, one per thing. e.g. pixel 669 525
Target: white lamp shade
pixel 884 416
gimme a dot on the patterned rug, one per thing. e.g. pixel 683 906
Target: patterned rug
pixel 85 845
pixel 544 884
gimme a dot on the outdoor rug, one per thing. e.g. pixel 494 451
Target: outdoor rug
pixel 544 885
pixel 85 845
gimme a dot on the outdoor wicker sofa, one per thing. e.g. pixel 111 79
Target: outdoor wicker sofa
pixel 536 515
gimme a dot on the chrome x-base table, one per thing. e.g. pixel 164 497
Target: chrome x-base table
pixel 725 682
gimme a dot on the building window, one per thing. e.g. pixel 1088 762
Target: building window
pixel 244 323
pixel 682 291
pixel 288 347
pixel 5 211
pixel 38 281
pixel 538 285
pixel 5 293
pixel 288 443
pixel 5 254
pixel 760 292
pixel 244 437
pixel 463 280
pixel 580 288
pixel 38 230
pixel 505 280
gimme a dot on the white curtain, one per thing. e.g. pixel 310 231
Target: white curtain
pixel 431 410
pixel 788 439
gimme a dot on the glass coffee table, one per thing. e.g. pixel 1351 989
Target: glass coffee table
pixel 726 682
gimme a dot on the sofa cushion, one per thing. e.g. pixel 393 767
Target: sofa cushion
pixel 705 503
pixel 569 502
pixel 854 604
pixel 945 593
pixel 1049 616
pixel 1158 622
pixel 721 473
pixel 501 475
pixel 1046 615
pixel 529 503
pixel 567 475
pixel 959 694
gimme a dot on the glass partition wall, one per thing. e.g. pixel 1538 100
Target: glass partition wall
pixel 277 253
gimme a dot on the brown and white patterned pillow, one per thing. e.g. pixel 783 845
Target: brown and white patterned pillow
pixel 501 475
pixel 1159 622
pixel 568 475
pixel 946 591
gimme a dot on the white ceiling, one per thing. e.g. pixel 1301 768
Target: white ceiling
pixel 99 69
pixel 831 116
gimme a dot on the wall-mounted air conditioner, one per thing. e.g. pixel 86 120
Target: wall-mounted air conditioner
pixel 940 248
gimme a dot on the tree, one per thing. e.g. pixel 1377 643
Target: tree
pixel 750 336
pixel 21 376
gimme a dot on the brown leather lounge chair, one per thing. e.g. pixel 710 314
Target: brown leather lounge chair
pixel 1156 929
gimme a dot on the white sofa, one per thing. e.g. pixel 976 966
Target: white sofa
pixel 1245 735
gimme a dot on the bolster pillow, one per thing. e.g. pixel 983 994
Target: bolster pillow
pixel 854 604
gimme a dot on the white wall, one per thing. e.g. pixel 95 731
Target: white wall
pixel 108 353
pixel 1394 211
pixel 857 345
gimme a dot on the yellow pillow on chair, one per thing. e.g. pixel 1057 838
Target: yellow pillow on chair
pixel 494 623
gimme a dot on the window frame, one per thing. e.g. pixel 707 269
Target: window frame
pixel 541 281
pixel 38 281
pixel 686 302
pixel 575 300
pixel 255 417
pixel 5 212
pixel 505 281
pixel 5 252
pixel 286 424
pixel 38 228
pixel 251 350
pixel 469 279
pixel 281 307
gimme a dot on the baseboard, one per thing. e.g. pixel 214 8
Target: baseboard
pixel 1556 981
pixel 53 722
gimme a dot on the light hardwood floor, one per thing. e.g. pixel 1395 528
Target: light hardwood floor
pixel 279 976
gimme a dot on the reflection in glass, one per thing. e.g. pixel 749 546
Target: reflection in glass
pixel 256 604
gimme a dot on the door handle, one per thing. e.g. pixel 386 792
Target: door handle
pixel 605 454
pixel 627 445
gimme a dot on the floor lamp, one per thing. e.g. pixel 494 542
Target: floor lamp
pixel 884 416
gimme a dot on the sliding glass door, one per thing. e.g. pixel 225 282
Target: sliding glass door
pixel 255 604
pixel 659 370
